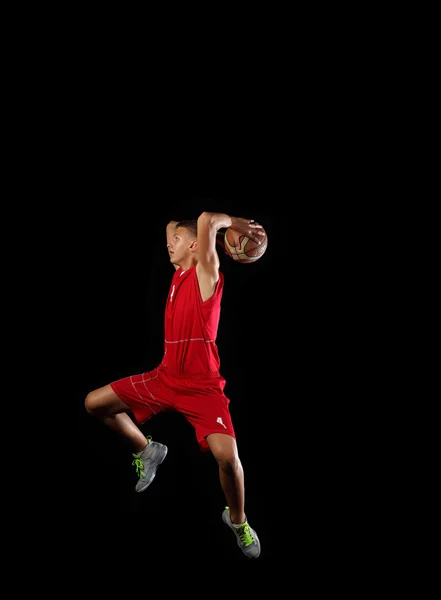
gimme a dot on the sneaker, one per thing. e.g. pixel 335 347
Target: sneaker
pixel 247 539
pixel 146 463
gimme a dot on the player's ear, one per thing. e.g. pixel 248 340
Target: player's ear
pixel 194 245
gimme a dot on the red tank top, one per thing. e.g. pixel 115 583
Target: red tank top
pixel 191 326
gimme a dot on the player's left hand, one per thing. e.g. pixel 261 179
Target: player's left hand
pixel 248 227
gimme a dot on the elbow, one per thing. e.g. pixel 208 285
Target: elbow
pixel 206 218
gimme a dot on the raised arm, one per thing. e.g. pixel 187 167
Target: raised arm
pixel 208 235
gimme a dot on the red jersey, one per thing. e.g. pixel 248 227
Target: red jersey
pixel 191 326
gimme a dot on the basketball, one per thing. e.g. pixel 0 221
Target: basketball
pixel 241 248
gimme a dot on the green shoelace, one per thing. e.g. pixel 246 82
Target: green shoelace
pixel 138 462
pixel 243 532
pixel 139 465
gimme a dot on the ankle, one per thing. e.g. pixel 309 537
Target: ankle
pixel 141 450
pixel 237 519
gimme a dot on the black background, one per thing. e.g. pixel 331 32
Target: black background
pixel 94 192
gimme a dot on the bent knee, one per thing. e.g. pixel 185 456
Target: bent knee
pixel 104 401
pixel 91 403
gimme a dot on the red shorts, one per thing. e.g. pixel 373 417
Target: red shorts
pixel 200 399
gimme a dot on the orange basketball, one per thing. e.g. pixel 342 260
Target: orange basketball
pixel 241 248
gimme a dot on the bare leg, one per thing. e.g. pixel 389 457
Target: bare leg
pixel 231 475
pixel 104 404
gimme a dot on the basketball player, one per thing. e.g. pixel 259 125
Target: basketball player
pixel 188 378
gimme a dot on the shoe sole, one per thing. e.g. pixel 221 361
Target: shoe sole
pixel 225 520
pixel 154 474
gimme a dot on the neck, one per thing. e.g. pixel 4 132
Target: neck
pixel 187 264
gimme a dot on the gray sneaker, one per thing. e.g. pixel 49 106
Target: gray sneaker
pixel 247 539
pixel 146 463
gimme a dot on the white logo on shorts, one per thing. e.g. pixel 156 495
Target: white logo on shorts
pixel 219 420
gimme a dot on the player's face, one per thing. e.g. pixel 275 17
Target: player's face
pixel 179 245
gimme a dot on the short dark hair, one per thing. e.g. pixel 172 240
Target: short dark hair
pixel 190 224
